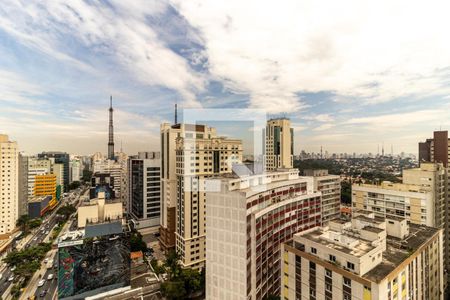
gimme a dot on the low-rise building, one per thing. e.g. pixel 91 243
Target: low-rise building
pixel 367 258
pixel 45 185
pixel 38 206
pixel 99 210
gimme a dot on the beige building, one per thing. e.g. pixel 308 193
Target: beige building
pixel 330 186
pixel 99 210
pixel 279 145
pixel 9 184
pixel 248 218
pixel 200 153
pixel 369 258
pixel 420 198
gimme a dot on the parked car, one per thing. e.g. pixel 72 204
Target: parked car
pixel 50 276
pixel 11 278
pixel 43 293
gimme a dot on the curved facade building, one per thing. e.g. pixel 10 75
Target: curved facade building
pixel 248 218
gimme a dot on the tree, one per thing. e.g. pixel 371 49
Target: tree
pixel 66 210
pixel 173 290
pixel 74 185
pixel 192 280
pixel 22 222
pixel 87 175
pixel 136 242
pixel 34 223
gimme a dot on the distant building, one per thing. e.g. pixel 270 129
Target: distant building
pixel 279 144
pixel 144 188
pixel 436 149
pixel 76 170
pixel 367 258
pixel 9 185
pixel 38 206
pixel 248 218
pixel 330 186
pixel 99 210
pixel 116 169
pixel 59 158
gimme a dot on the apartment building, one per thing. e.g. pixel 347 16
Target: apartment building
pixel 9 184
pixel 248 218
pixel 200 153
pixel 279 144
pixel 369 258
pixel 330 186
pixel 420 198
pixel 436 149
pixel 144 188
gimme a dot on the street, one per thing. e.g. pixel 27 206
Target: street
pixel 39 235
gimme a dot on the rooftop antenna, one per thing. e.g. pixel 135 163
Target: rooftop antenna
pixel 176 114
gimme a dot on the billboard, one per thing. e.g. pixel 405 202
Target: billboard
pixel 93 265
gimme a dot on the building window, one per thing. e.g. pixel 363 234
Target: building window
pixel 313 250
pixel 332 258
pixel 347 282
pixel 350 265
pixel 328 273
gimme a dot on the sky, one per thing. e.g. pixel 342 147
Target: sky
pixel 351 75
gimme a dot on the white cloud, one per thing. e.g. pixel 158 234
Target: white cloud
pixel 368 51
pixel 323 127
pixel 120 32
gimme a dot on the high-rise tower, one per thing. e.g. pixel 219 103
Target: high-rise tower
pixel 111 133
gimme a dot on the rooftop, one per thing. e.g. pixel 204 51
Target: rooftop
pixel 398 250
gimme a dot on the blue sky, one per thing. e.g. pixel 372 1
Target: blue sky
pixel 350 75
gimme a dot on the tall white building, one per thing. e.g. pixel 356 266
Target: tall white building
pixel 76 170
pixel 37 166
pixel 279 144
pixel 9 184
pixel 248 218
pixel 144 191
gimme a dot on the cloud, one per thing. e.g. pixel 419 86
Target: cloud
pixel 117 32
pixel 368 52
pixel 14 88
pixel 323 127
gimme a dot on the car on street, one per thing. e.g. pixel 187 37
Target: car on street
pixel 45 260
pixel 41 282
pixel 50 276
pixel 43 293
pixel 11 278
pixel 35 239
pixel 13 268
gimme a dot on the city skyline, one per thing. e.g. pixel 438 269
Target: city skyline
pixel 60 64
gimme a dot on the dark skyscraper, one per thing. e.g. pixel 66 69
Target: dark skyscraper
pixel 111 133
pixel 436 149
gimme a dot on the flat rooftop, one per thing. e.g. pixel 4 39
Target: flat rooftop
pixel 398 250
pixel 359 250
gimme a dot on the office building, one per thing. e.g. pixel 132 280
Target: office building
pixel 45 185
pixel 76 170
pixel 279 144
pixel 117 170
pixel 59 158
pixel 436 149
pixel 169 133
pixel 9 185
pixel 200 153
pixel 330 186
pixel 248 218
pixel 144 189
pixel 99 210
pixel 366 258
pixel 36 166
